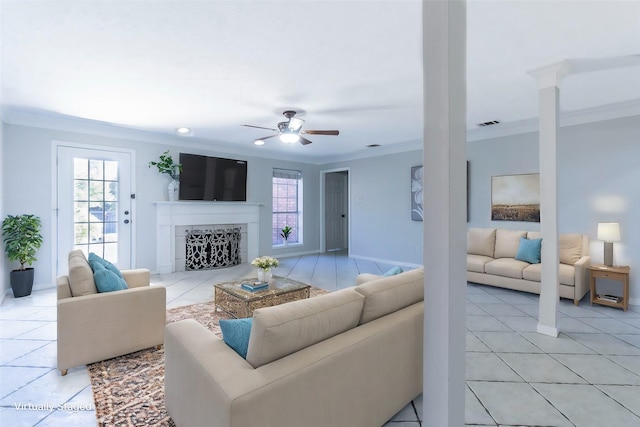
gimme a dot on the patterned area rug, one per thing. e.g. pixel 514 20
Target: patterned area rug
pixel 129 390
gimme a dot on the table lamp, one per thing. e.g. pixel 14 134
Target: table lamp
pixel 609 232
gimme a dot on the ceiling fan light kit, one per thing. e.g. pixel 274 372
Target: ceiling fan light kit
pixel 289 138
pixel 291 131
pixel 295 124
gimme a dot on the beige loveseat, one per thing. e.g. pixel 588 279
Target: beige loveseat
pixel 491 260
pixel 348 358
pixel 96 326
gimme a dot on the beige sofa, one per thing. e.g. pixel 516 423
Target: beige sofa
pixel 491 260
pixel 96 326
pixel 348 358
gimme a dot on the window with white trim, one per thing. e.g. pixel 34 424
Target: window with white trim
pixel 287 205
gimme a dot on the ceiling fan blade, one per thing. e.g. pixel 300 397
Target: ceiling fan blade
pixel 304 141
pixel 267 137
pixel 322 132
pixel 260 127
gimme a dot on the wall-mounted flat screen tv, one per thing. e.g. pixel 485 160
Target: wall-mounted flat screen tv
pixel 212 178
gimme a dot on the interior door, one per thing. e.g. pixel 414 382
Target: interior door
pixel 94 205
pixel 336 211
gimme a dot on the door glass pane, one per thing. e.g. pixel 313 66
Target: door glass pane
pixel 110 251
pixel 96 168
pixel 81 233
pixel 81 190
pixel 111 190
pixel 80 168
pixel 111 171
pixel 96 190
pixel 96 207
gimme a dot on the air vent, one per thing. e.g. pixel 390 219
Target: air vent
pixel 491 123
pixel 373 145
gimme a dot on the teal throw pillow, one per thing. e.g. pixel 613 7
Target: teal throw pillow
pixel 95 259
pixel 108 281
pixel 393 271
pixel 529 250
pixel 235 333
pixel 95 265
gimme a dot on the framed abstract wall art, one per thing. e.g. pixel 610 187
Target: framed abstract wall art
pixel 417 211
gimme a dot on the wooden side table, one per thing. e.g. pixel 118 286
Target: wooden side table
pixel 620 273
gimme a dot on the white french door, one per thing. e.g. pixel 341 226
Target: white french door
pixel 94 204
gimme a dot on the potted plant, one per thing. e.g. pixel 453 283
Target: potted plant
pixel 22 239
pixel 166 165
pixel 286 231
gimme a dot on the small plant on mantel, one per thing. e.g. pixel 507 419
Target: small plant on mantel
pixel 286 231
pixel 167 165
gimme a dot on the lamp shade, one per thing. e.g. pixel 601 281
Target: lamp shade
pixel 609 231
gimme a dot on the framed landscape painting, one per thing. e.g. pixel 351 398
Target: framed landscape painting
pixel 515 197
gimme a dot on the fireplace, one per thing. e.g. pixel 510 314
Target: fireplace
pixel 207 249
pixel 175 220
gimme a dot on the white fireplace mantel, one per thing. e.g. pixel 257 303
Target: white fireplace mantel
pixel 170 215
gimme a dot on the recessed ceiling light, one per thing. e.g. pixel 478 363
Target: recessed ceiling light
pixel 183 131
pixel 258 142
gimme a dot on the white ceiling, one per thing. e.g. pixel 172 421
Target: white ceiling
pixel 356 66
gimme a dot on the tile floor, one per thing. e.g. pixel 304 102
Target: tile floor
pixel 589 376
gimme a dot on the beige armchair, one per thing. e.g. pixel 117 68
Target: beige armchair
pixel 98 326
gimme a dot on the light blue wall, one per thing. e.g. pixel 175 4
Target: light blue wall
pixel 29 174
pixel 380 210
pixel 598 181
pixel 4 281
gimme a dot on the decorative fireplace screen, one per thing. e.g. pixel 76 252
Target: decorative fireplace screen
pixel 213 248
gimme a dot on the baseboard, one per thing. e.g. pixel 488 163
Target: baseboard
pixel 36 287
pixel 292 254
pixel 387 261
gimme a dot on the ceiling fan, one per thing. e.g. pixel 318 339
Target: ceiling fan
pixel 291 131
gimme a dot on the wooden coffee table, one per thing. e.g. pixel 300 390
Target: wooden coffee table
pixel 232 299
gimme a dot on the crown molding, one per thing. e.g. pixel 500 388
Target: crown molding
pixel 394 148
pixel 93 127
pixel 109 130
pixel 567 118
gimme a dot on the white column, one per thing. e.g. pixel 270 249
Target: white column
pixel 444 77
pixel 549 286
pixel 548 83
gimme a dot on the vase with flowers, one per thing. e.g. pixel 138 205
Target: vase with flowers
pixel 166 165
pixel 264 265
